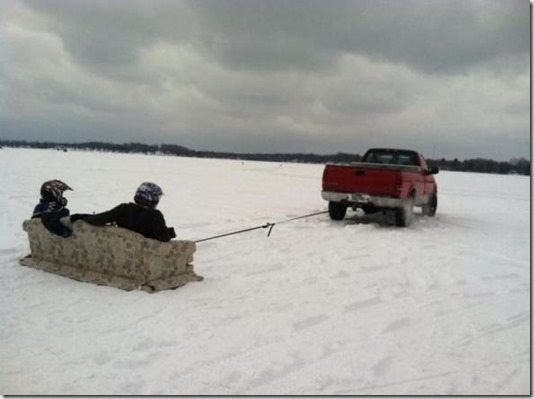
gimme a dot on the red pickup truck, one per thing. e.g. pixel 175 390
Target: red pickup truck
pixel 386 180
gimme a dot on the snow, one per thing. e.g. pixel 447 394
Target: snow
pixel 356 307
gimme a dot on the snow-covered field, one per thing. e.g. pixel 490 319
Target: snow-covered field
pixel 356 307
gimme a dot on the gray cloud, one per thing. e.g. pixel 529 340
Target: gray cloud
pixel 451 77
pixel 430 35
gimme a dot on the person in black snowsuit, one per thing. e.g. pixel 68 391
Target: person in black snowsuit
pixel 140 216
pixel 52 207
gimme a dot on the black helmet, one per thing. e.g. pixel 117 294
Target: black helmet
pixel 52 190
pixel 148 193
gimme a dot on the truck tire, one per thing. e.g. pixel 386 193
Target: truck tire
pixel 337 210
pixel 404 215
pixel 432 206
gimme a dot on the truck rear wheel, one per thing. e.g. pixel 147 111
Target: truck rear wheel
pixel 404 215
pixel 432 206
pixel 337 210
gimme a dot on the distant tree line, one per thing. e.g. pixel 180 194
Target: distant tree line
pixel 519 166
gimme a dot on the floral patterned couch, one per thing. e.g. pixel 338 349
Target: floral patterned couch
pixel 110 256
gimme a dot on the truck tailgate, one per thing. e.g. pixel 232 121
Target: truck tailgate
pixel 368 178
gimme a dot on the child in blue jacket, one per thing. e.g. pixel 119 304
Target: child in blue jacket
pixel 52 207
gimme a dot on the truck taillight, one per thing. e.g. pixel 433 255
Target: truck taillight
pixel 325 176
pixel 398 186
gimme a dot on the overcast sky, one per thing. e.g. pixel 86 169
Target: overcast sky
pixel 450 78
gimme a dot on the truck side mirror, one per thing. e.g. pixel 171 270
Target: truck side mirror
pixel 432 170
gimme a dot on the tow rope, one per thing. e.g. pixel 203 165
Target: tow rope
pixel 263 226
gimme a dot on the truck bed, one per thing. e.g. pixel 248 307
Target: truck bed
pixel 370 165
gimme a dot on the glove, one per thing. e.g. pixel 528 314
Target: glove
pixel 66 233
pixel 171 232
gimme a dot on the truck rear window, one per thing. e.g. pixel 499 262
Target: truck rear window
pixel 391 157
